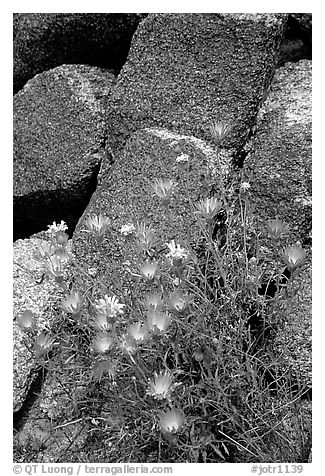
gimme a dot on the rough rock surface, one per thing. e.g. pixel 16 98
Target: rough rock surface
pixel 185 70
pixel 279 166
pixel 45 40
pixel 279 171
pixel 29 293
pixel 59 143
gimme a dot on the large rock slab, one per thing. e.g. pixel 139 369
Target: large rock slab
pixel 45 40
pixel 279 165
pixel 30 292
pixel 279 171
pixel 185 70
pixel 59 143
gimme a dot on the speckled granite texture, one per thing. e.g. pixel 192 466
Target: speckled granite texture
pixel 59 142
pixel 184 70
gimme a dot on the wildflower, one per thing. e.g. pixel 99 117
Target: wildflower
pixel 294 256
pixel 245 186
pixel 146 238
pixel 162 386
pixel 63 254
pixel 153 301
pixel 183 161
pixel 97 225
pixel 103 322
pixel 277 228
pixel 43 344
pixel 103 367
pixel 179 301
pixel 128 344
pixel 26 321
pixel 177 254
pixel 72 303
pixel 54 228
pixel 102 343
pixel 208 208
pixel 171 420
pixel 158 321
pixel 219 130
pixel 54 266
pixel 164 189
pixel 138 331
pixel 61 238
pixel 109 306
pixel 44 250
pixel 149 270
pixel 127 229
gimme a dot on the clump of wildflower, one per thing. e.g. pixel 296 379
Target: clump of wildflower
pixel 109 306
pixel 161 386
pixel 26 321
pixel 153 301
pixel 104 367
pixel 146 238
pixel 219 130
pixel 43 344
pixel 158 321
pixel 176 254
pixel 102 343
pixel 183 161
pixel 294 256
pixel 138 331
pixel 72 303
pixel 164 189
pixel 179 301
pixel 127 229
pixel 171 420
pixel 97 225
pixel 208 208
pixel 149 270
pixel 277 228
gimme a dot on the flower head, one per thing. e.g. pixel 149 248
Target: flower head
pixel 179 301
pixel 127 229
pixel 164 189
pixel 158 321
pixel 102 322
pixel 277 228
pixel 109 306
pixel 208 208
pixel 138 331
pixel 146 238
pixel 102 343
pixel 97 225
pixel 294 256
pixel 54 228
pixel 176 254
pixel 161 386
pixel 43 344
pixel 72 303
pixel 245 186
pixel 219 130
pixel 103 367
pixel 26 321
pixel 54 266
pixel 45 249
pixel 149 270
pixel 171 420
pixel 61 238
pixel 153 301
